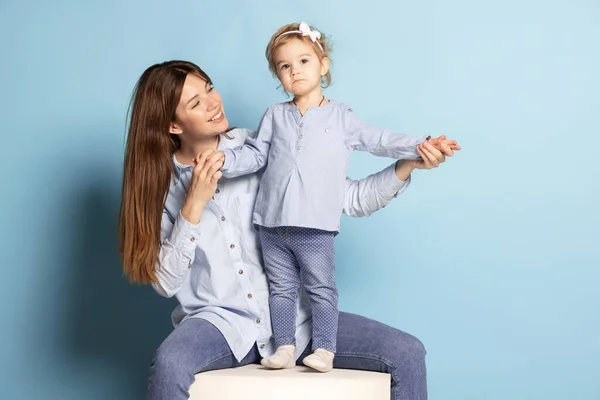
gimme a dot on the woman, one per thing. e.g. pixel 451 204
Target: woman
pixel 189 234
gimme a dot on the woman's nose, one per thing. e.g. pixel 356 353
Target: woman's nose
pixel 211 103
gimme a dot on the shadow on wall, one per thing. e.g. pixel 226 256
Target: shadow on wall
pixel 112 327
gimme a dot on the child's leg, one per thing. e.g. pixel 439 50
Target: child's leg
pixel 369 345
pixel 282 271
pixel 315 252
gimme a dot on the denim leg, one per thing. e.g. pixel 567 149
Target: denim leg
pixel 282 271
pixel 194 346
pixel 315 252
pixel 369 345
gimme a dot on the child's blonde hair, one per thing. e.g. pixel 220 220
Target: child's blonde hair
pixel 322 47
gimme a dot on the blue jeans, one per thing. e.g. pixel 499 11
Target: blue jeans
pixel 197 346
pixel 294 254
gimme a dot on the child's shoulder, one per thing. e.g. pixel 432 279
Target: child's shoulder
pixel 277 107
pixel 237 136
pixel 339 106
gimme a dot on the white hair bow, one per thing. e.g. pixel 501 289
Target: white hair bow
pixel 305 30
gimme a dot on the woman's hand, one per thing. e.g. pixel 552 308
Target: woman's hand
pixel 203 184
pixel 432 157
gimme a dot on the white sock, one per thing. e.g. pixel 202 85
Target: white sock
pixel 284 357
pixel 320 359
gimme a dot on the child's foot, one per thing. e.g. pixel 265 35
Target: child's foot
pixel 284 357
pixel 320 359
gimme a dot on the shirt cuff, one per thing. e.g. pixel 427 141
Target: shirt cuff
pixel 184 235
pixel 391 185
pixel 422 139
pixel 228 159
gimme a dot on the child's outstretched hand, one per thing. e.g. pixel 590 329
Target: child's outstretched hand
pixel 447 147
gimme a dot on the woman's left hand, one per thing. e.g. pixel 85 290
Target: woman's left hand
pixel 431 158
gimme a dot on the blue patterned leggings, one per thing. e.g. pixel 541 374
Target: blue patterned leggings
pixel 292 254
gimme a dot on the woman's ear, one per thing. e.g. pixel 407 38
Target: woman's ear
pixel 175 129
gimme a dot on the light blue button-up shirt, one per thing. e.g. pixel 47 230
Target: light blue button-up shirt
pixel 215 268
pixel 304 183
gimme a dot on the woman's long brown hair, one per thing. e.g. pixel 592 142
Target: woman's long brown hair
pixel 148 165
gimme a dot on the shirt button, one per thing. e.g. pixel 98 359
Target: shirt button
pixel 190 265
pixel 258 320
pixel 241 271
pixel 232 246
pixel 301 123
pixel 193 239
pixel 262 346
pixel 300 136
pixel 249 295
pixel 327 130
pixel 222 218
pixel 217 191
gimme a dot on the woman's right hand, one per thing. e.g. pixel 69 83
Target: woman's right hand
pixel 203 184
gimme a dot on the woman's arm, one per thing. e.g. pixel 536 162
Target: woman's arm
pixel 374 192
pixel 365 196
pixel 176 254
pixel 178 235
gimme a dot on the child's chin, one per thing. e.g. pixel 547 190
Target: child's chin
pixel 301 92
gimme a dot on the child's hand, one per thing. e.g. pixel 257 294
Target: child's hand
pixel 222 159
pixel 447 147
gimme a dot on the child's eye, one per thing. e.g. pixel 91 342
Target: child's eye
pixel 210 89
pixel 304 61
pixel 197 102
pixel 285 66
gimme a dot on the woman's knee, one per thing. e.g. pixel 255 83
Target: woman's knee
pixel 168 361
pixel 182 353
pixel 405 350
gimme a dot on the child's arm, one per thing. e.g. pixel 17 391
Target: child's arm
pixel 384 143
pixel 253 154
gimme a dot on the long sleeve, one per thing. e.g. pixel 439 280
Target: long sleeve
pixel 176 255
pixel 372 193
pixel 379 142
pixel 253 154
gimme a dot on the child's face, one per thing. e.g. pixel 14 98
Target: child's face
pixel 298 67
pixel 200 110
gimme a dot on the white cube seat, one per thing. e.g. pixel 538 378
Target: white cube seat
pixel 254 382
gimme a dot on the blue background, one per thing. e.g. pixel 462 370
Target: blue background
pixel 492 260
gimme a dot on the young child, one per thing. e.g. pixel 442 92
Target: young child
pixel 305 145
